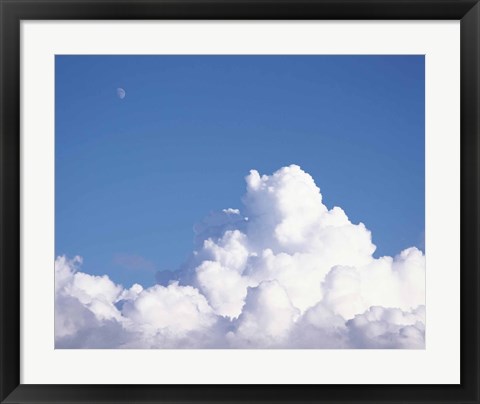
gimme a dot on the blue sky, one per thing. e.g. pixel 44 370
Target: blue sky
pixel 134 175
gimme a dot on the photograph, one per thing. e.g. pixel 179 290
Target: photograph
pixel 240 201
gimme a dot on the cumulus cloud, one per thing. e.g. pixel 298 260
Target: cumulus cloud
pixel 284 271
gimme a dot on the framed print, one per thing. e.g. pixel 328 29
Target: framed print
pixel 239 202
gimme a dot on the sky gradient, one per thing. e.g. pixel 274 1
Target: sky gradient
pixel 134 175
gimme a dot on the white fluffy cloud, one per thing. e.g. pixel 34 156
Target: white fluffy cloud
pixel 284 271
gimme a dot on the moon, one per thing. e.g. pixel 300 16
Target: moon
pixel 121 93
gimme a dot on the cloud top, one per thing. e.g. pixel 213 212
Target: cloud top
pixel 282 272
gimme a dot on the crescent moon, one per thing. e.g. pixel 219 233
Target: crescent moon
pixel 121 93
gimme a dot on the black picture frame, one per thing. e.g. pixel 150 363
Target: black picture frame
pixel 13 11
